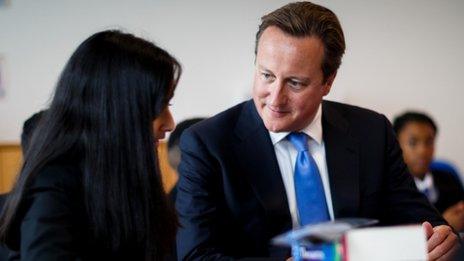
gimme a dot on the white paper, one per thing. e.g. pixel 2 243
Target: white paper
pixel 398 243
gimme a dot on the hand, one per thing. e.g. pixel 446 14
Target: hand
pixel 442 242
pixel 454 215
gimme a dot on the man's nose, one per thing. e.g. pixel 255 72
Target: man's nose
pixel 278 95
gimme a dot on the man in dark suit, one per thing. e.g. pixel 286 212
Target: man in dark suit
pixel 237 189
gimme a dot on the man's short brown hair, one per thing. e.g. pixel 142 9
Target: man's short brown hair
pixel 303 19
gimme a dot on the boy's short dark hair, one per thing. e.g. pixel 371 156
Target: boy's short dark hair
pixel 174 138
pixel 412 116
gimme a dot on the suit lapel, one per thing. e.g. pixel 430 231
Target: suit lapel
pixel 257 160
pixel 255 152
pixel 342 155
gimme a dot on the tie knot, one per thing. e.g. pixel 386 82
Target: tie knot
pixel 299 140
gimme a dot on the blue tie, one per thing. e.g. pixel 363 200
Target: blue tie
pixel 309 191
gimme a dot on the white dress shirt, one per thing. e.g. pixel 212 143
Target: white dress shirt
pixel 286 157
pixel 427 187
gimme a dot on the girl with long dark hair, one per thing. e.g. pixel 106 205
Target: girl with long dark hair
pixel 90 185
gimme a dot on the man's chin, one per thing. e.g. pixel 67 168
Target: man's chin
pixel 276 127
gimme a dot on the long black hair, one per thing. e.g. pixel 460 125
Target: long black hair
pixel 110 91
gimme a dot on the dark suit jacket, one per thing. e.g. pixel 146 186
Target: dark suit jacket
pixel 53 222
pixel 231 198
pixel 449 189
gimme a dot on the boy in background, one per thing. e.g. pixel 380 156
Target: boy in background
pixel 416 134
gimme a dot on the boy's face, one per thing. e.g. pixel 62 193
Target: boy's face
pixel 417 140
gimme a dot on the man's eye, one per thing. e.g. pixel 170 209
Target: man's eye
pixel 266 75
pixel 295 85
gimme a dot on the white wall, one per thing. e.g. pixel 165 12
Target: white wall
pixel 400 54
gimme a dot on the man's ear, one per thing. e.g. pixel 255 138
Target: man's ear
pixel 328 83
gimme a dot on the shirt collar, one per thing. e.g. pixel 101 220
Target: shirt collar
pixel 313 130
pixel 426 183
